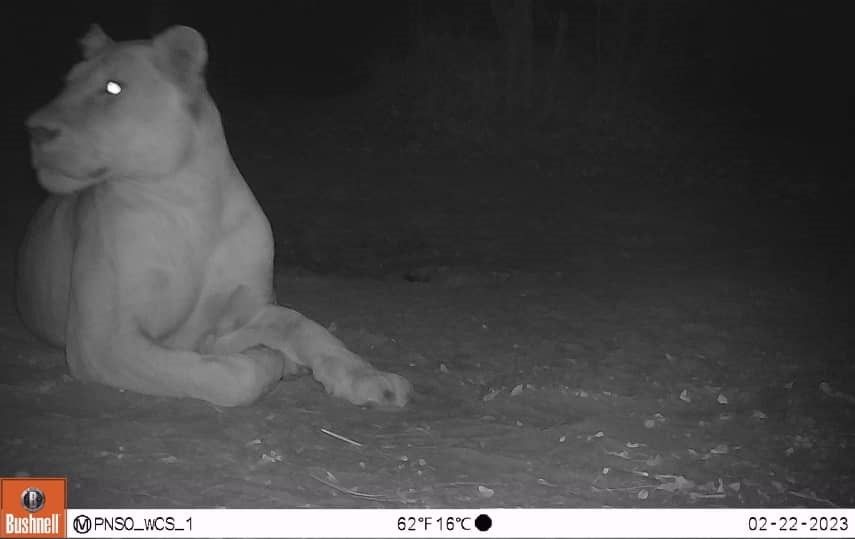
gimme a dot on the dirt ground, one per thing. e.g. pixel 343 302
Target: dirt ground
pixel 583 327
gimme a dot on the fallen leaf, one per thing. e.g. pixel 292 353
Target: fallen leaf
pixel 491 395
pixel 720 449
pixel 485 492
pixel 674 483
pixel 654 462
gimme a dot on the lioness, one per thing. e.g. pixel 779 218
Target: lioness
pixel 151 262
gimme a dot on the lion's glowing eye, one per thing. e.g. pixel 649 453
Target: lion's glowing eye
pixel 113 88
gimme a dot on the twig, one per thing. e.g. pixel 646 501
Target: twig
pixel 354 493
pixel 825 387
pixel 813 497
pixel 340 437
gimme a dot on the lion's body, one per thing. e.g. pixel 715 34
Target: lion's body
pixel 163 259
pixel 152 261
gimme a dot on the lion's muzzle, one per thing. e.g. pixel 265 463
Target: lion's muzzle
pixel 41 135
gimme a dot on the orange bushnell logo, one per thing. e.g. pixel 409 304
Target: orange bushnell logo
pixel 32 506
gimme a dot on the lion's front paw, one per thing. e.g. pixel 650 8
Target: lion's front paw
pixel 370 386
pixel 266 365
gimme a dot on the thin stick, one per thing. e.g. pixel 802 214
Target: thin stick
pixel 340 437
pixel 813 497
pixel 356 493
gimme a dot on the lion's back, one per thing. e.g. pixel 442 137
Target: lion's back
pixel 44 269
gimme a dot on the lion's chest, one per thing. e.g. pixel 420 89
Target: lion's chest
pixel 148 266
pixel 164 288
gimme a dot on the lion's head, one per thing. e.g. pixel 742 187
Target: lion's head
pixel 128 110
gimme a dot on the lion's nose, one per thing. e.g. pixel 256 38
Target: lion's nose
pixel 40 134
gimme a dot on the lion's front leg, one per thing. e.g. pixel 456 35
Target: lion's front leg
pixel 119 354
pixel 305 342
pixel 139 364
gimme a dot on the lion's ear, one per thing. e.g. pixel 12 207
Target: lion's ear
pixel 94 41
pixel 182 53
